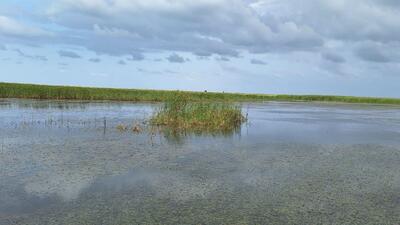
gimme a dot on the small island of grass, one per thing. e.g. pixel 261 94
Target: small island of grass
pixel 181 114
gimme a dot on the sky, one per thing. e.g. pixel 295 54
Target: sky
pixel 331 47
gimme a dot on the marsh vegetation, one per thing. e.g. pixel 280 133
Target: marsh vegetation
pixel 181 114
pixel 30 91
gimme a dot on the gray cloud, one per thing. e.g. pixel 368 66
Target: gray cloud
pixel 175 58
pixel 95 60
pixel 203 58
pixel 2 47
pixel 337 69
pixel 34 57
pixel 121 62
pixel 357 20
pixel 372 53
pixel 333 57
pixel 257 62
pixel 220 29
pixel 222 58
pixel 223 27
pixel 40 57
pixel 203 54
pixel 149 71
pixel 136 57
pixel 68 54
pixel 171 72
pixel 202 27
pixel 390 3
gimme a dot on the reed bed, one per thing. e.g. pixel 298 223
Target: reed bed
pixel 181 114
pixel 31 91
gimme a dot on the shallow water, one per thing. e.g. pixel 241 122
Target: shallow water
pixel 293 163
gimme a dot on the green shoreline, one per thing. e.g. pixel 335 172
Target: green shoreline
pixel 33 91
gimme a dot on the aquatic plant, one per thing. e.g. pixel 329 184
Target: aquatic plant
pixel 183 114
pixel 121 127
pixel 135 128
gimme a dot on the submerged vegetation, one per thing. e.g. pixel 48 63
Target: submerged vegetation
pixel 30 91
pixel 180 114
pixel 136 128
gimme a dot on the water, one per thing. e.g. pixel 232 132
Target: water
pixel 293 163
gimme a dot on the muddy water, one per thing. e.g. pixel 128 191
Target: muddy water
pixel 293 163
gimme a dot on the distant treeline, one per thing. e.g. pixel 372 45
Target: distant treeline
pixel 31 91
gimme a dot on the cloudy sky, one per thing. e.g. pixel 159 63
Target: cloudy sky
pixel 266 46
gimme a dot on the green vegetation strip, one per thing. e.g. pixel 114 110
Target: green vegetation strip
pixel 13 90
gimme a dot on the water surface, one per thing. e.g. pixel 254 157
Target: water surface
pixel 293 163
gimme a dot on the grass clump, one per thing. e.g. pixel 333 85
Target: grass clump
pixel 182 114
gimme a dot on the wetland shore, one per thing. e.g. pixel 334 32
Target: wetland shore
pixel 33 91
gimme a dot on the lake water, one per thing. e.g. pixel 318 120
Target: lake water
pixel 65 163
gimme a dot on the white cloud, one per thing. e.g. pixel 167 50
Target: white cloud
pixel 10 27
pixel 205 27
pixel 337 19
pixel 339 37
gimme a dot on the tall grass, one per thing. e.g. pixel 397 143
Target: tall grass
pixel 181 114
pixel 12 90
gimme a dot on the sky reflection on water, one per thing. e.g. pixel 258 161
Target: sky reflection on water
pixel 292 162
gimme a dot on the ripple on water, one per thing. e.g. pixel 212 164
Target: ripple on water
pixel 293 164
